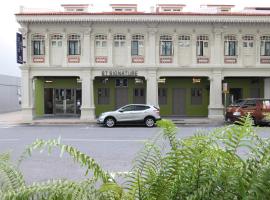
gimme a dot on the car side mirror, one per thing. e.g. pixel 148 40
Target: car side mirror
pixel 120 111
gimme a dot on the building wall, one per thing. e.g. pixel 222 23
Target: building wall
pixel 10 89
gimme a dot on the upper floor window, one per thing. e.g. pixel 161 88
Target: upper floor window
pixel 265 45
pixel 230 45
pixel 56 40
pixel 202 45
pixel 38 44
pixel 248 41
pixel 74 44
pixel 184 41
pixel 137 45
pixel 119 40
pixel 101 41
pixel 166 48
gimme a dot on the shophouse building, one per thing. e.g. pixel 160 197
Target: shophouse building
pixel 81 63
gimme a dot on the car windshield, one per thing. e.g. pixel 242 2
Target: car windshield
pixel 238 103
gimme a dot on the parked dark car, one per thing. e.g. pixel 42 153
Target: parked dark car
pixel 259 110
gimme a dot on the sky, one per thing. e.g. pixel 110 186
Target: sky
pixel 9 26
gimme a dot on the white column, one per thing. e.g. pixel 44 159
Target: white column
pixel 175 48
pixel 152 46
pixel 87 107
pixel 239 49
pixel 258 48
pixel 47 49
pixel 110 48
pixel 152 88
pixel 27 96
pixel 215 108
pixel 193 48
pixel 65 48
pixel 86 47
pixel 218 50
pixel 267 88
pixel 92 49
pixel 128 48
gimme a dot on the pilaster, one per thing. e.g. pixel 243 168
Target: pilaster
pixel 267 88
pixel 128 48
pixel 87 107
pixel 25 35
pixel 152 46
pixel 110 48
pixel 47 48
pixel 193 48
pixel 86 46
pixel 175 48
pixel 65 48
pixel 218 50
pixel 152 88
pixel 215 108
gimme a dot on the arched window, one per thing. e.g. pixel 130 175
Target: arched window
pixel 74 44
pixel 265 45
pixel 137 45
pixel 38 44
pixel 202 45
pixel 119 40
pixel 230 45
pixel 166 48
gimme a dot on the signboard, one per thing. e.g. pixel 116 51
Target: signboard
pixel 19 45
pixel 120 73
pixel 225 88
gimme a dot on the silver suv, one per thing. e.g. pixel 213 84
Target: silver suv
pixel 132 113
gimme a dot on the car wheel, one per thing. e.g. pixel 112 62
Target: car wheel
pixel 109 122
pixel 149 121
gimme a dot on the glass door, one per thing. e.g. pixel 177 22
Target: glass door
pixel 64 101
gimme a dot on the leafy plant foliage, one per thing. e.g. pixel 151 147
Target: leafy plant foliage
pixel 206 166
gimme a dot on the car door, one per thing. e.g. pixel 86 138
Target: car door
pixel 139 112
pixel 249 107
pixel 125 113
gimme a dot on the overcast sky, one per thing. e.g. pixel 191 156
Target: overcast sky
pixel 9 26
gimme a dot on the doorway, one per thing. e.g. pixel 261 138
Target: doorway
pixel 179 101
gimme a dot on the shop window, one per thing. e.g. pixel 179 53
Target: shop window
pixel 196 96
pixel 166 47
pixel 202 45
pixel 74 44
pixel 103 95
pixel 137 45
pixel 162 96
pixel 184 41
pixel 248 41
pixel 121 82
pixel 230 45
pixel 38 44
pixel 138 92
pixel 265 45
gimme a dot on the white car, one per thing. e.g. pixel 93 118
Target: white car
pixel 132 113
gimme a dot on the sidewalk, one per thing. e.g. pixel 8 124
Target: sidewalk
pixel 15 118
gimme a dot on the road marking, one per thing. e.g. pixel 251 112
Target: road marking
pixel 6 126
pixel 9 140
pixel 99 140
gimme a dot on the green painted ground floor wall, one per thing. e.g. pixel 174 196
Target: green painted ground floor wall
pixel 247 85
pixel 42 82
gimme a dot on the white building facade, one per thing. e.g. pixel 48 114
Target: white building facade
pixel 83 63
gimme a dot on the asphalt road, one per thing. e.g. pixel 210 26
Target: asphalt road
pixel 113 148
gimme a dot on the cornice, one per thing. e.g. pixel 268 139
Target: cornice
pixel 234 19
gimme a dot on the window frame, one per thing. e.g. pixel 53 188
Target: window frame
pixel 74 45
pixel 202 45
pixel 166 45
pixel 120 40
pixel 138 41
pixel 265 45
pixel 38 45
pixel 230 45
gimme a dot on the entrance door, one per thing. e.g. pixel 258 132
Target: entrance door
pixel 179 101
pixel 56 54
pixel 64 101
pixel 121 96
pixel 48 100
pixel 139 96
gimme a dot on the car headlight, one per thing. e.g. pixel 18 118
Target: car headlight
pixel 237 114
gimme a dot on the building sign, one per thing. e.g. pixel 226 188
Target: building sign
pixel 19 45
pixel 119 73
